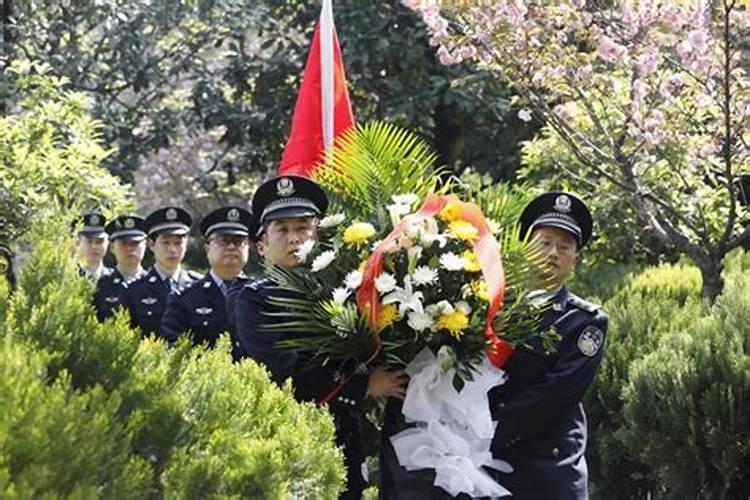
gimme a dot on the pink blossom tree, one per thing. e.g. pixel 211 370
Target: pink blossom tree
pixel 194 172
pixel 650 97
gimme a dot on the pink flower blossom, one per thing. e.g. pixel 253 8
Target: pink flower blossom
pixel 524 115
pixel 445 57
pixel 671 87
pixel 698 40
pixel 610 51
pixel 467 52
pixel 647 63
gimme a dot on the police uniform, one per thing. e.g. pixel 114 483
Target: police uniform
pixel 146 298
pixel 93 227
pixel 541 428
pixel 110 287
pixel 339 386
pixel 201 307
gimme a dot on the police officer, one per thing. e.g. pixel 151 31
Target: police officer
pixel 146 298
pixel 288 209
pixel 127 238
pixel 92 245
pixel 201 307
pixel 541 428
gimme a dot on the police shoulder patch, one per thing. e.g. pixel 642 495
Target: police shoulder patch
pixel 590 341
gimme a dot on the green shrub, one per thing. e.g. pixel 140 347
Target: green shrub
pixel 686 405
pixel 655 303
pixel 58 441
pixel 109 415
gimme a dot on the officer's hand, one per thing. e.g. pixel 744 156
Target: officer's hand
pixel 387 382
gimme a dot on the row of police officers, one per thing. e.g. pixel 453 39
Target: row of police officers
pixel 542 430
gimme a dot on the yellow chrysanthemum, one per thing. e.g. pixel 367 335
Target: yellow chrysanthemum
pixel 479 289
pixel 386 316
pixel 471 262
pixel 455 322
pixel 463 230
pixel 450 211
pixel 358 233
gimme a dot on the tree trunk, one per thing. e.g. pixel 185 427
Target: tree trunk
pixel 713 283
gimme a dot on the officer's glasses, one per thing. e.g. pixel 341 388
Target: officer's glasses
pixel 225 241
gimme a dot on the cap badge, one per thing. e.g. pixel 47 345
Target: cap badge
pixel 233 215
pixel 171 214
pixel 129 223
pixel 94 220
pixel 285 187
pixel 562 204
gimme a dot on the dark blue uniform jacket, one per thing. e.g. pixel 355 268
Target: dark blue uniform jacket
pixel 146 298
pixel 108 291
pixel 200 309
pixel 311 383
pixel 541 428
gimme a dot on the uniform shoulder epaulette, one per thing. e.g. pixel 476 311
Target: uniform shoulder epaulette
pixel 579 303
pixel 185 289
pixel 195 275
pixel 257 284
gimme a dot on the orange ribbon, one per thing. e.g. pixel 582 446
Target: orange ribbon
pixel 485 247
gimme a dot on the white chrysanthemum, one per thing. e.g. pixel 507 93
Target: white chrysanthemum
pixel 353 280
pixel 424 275
pixel 494 226
pixel 340 295
pixel 331 221
pixel 304 250
pixel 385 283
pixel 420 322
pixel 405 199
pixel 464 307
pixel 323 260
pixel 451 262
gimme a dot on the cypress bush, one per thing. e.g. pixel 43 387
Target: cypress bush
pixel 686 404
pixel 656 303
pixel 90 410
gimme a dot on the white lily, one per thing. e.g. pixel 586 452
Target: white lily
pixel 406 298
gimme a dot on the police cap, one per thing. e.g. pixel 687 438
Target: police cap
pixel 288 196
pixel 229 220
pixel 168 220
pixel 127 227
pixel 561 210
pixel 93 225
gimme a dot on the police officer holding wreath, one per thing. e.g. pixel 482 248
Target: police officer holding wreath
pixel 288 209
pixel 541 428
pixel 146 298
pixel 200 309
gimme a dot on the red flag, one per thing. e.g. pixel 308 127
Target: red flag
pixel 323 110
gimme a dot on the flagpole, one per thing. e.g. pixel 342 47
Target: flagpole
pixel 326 70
